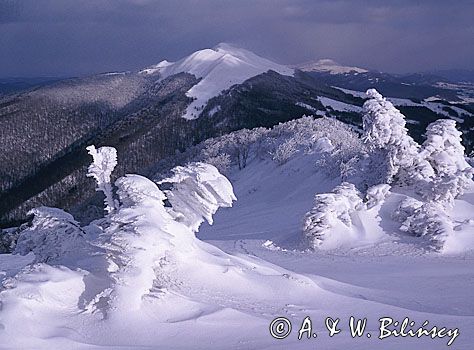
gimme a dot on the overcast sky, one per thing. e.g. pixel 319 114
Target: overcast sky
pixel 77 37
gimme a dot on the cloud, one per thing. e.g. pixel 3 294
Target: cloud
pixel 69 37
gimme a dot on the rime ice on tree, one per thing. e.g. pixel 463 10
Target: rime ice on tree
pixel 104 162
pixel 386 135
pixel 443 167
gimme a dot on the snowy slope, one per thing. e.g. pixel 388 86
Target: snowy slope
pixel 227 294
pixel 433 104
pixel 329 66
pixel 219 68
pixel 248 268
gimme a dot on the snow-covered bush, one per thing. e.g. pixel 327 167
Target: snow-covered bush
pixel 104 162
pixel 222 162
pixel 324 144
pixel 198 190
pixel 8 239
pixel 285 151
pixel 243 141
pixel 427 220
pixel 443 172
pixel 53 236
pixel 335 141
pixel 330 210
pixel 231 149
pixel 376 195
pixel 390 147
pixel 406 208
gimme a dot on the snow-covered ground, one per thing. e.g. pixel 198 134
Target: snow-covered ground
pixel 392 276
pixel 150 276
pixel 329 66
pixel 217 300
pixel 430 103
pixel 338 105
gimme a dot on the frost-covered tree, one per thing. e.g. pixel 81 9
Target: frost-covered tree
pixel 376 195
pixel 427 220
pixel 443 172
pixel 390 147
pixel 243 140
pixel 137 237
pixel 53 236
pixel 330 211
pixel 143 235
pixel 198 190
pixel 222 162
pixel 285 151
pixel 9 237
pixel 104 162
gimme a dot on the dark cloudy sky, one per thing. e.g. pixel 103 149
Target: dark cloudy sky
pixel 76 37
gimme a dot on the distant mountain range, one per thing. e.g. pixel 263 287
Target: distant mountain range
pixel 151 114
pixel 456 75
pixel 12 85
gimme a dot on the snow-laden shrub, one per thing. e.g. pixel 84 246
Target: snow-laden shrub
pixel 330 210
pixel 336 141
pixel 104 162
pixel 285 151
pixel 8 239
pixel 391 149
pixel 302 136
pixel 427 220
pixel 52 236
pixel 222 162
pixel 443 172
pixel 230 149
pixel 198 190
pixel 376 195
pixel 324 144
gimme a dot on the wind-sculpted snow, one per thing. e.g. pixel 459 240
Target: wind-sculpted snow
pixel 121 262
pixel 139 276
pixel 141 236
pixel 342 217
pixel 198 191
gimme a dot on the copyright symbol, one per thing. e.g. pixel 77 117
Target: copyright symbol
pixel 280 328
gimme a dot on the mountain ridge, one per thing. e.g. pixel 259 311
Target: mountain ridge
pixel 133 111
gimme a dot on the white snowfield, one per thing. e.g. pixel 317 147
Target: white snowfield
pixel 218 68
pixel 430 103
pixel 152 274
pixel 329 66
pixel 338 105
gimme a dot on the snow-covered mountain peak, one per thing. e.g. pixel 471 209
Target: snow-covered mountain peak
pixel 329 66
pixel 219 68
